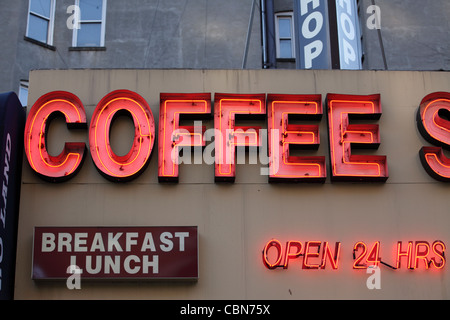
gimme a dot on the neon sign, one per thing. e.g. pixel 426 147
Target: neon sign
pixel 65 165
pixel 110 165
pixel 172 135
pixel 434 125
pixel 284 135
pixel 316 254
pixel 227 108
pixel 313 258
pixel 282 165
pixel 344 136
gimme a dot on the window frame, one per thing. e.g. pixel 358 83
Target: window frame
pixel 102 28
pixel 278 16
pixel 23 87
pixel 50 19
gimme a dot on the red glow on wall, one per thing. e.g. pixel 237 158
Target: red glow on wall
pixel 344 136
pixel 283 136
pixel 172 135
pixel 226 108
pixel 129 166
pixel 65 165
pixel 433 124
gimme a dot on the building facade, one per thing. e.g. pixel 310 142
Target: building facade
pixel 395 218
pixel 131 34
pixel 392 35
pixel 311 87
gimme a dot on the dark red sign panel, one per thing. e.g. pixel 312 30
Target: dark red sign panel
pixel 116 252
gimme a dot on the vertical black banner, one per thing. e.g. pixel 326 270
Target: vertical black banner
pixel 12 125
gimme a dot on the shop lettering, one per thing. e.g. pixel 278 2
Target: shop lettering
pixel 318 255
pixel 281 135
pixel 314 17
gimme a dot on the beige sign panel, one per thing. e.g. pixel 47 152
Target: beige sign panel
pixel 245 227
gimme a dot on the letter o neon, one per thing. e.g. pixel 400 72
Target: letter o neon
pixel 272 243
pixel 129 166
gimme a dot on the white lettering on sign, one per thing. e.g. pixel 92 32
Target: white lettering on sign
pixel 312 51
pixel 347 31
pixel 65 242
pixel 112 264
pixel 4 195
pixel 311 27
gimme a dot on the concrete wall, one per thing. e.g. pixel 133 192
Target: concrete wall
pixel 211 34
pixel 235 221
pixel 11 17
pixel 199 34
pixel 414 35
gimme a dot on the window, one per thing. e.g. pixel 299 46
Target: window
pixel 91 31
pixel 284 29
pixel 23 93
pixel 41 16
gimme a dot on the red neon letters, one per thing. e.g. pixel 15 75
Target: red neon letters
pixel 421 254
pixel 418 255
pixel 172 135
pixel 229 135
pixel 366 258
pixel 344 135
pixel 111 166
pixel 434 125
pixel 68 162
pixel 283 136
pixel 313 257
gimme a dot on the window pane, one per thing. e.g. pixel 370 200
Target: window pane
pixel 89 35
pixel 23 95
pixel 284 27
pixel 41 7
pixel 285 49
pixel 91 9
pixel 37 28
